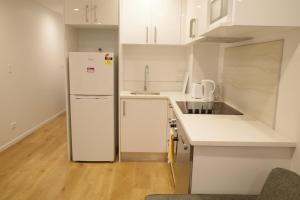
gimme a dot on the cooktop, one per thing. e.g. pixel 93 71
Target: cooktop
pixel 213 108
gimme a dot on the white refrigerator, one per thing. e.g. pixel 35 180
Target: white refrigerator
pixel 91 84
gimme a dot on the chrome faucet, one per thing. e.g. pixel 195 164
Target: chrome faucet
pixel 146 78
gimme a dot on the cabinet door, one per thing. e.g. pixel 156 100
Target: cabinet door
pixel 105 12
pixel 135 21
pixel 196 19
pixel 77 12
pixel 92 128
pixel 201 14
pixel 190 15
pixel 144 125
pixel 166 21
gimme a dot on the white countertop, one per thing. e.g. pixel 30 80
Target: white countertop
pixel 221 130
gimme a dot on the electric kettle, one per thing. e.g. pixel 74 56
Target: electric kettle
pixel 204 90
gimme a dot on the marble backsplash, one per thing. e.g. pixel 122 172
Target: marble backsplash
pixel 251 77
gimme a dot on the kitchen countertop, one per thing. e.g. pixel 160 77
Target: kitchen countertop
pixel 220 130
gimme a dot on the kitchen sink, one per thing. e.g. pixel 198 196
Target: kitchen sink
pixel 145 93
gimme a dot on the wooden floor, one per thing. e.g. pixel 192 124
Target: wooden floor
pixel 37 168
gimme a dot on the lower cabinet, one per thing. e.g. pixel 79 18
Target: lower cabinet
pixel 235 169
pixel 143 125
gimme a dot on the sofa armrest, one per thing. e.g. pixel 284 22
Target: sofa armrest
pixel 201 197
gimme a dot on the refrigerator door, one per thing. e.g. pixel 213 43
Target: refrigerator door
pixel 91 73
pixel 92 125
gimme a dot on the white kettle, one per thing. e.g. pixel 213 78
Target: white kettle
pixel 204 90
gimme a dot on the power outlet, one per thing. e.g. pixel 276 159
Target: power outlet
pixel 13 125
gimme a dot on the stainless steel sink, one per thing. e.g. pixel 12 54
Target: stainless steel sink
pixel 145 93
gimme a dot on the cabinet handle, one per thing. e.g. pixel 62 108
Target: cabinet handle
pixel 185 146
pixel 95 14
pixel 147 34
pixel 86 13
pixel 192 27
pixel 155 34
pixel 124 105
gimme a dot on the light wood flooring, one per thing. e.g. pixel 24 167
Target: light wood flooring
pixel 37 168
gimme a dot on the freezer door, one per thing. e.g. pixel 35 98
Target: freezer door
pixel 91 73
pixel 92 128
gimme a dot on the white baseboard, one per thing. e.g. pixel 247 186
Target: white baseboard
pixel 28 132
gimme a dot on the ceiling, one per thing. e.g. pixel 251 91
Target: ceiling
pixel 54 5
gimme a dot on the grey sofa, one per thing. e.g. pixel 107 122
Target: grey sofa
pixel 281 184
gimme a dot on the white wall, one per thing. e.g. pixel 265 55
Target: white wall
pixel 206 62
pixel 288 107
pixel 288 103
pixel 32 41
pixel 71 40
pixel 167 64
pixel 93 39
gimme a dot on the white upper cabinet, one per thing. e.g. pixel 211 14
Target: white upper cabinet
pixel 91 12
pixel 246 18
pixel 135 21
pixel 196 19
pixel 150 21
pixel 166 21
pixel 105 12
pixel 266 12
pixel 77 11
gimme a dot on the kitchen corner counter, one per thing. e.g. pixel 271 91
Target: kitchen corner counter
pixel 221 130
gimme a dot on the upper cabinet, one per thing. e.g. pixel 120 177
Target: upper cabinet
pixel 150 21
pixel 196 19
pixel 249 18
pixel 77 12
pixel 91 12
pixel 166 21
pixel 106 11
pixel 135 21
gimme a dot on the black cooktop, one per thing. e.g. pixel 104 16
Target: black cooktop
pixel 213 108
